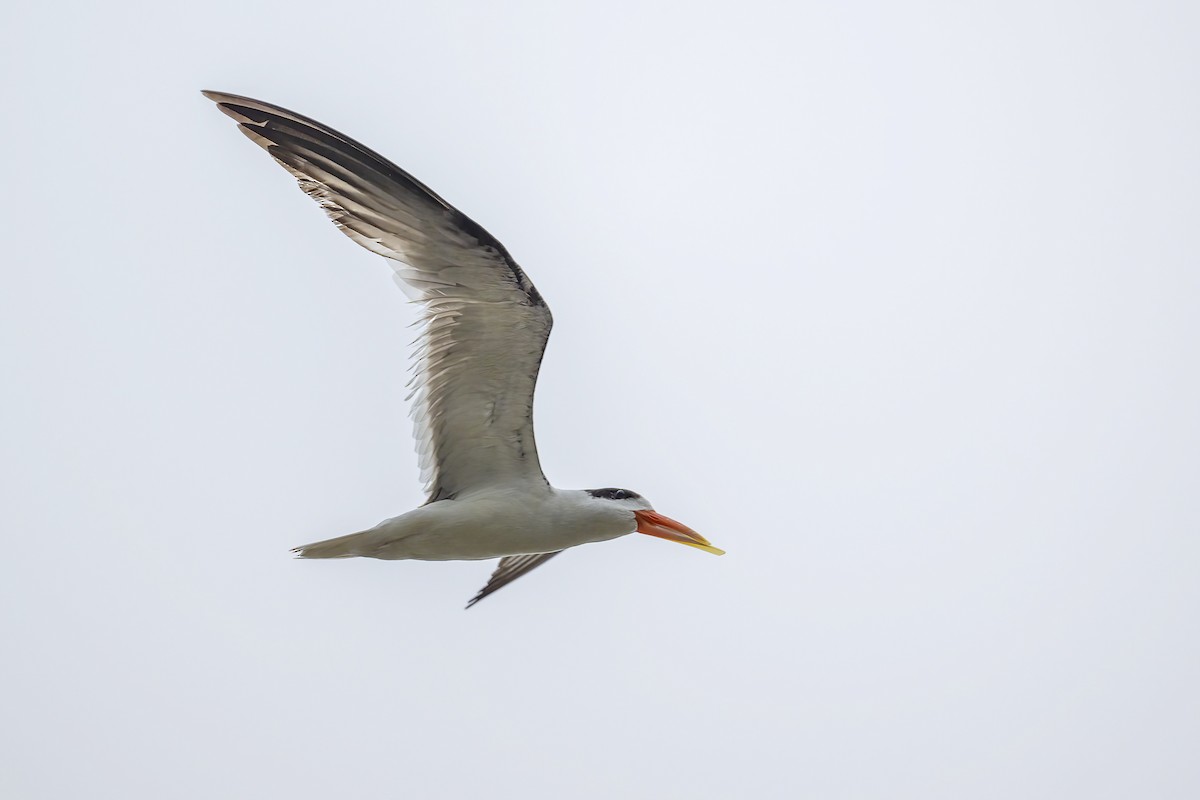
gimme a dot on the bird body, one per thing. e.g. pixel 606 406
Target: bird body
pixel 491 523
pixel 485 328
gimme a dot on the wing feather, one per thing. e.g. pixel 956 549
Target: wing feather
pixel 484 324
pixel 509 569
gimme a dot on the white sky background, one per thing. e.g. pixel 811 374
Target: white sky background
pixel 896 302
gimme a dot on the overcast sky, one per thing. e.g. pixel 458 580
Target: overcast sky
pixel 896 302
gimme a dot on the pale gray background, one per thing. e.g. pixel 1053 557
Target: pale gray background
pixel 896 302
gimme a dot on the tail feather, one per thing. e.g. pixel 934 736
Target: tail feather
pixel 341 547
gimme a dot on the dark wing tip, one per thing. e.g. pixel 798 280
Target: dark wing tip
pixel 226 97
pixel 492 585
pixel 257 116
pixel 223 98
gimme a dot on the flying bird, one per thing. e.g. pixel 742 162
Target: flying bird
pixel 484 329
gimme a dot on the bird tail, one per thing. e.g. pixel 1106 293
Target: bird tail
pixel 346 546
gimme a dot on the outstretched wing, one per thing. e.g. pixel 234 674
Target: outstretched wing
pixel 485 325
pixel 509 569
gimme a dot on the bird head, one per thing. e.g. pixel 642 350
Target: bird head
pixel 649 521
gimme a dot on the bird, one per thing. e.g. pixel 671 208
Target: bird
pixel 484 328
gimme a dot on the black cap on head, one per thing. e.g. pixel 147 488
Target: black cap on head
pixel 614 494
